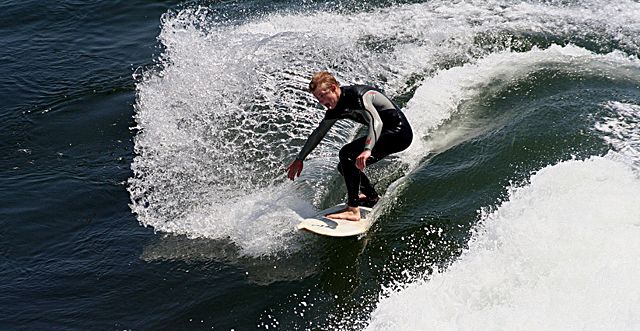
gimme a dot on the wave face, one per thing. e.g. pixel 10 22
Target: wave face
pixel 518 191
pixel 547 256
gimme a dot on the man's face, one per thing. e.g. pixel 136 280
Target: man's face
pixel 328 97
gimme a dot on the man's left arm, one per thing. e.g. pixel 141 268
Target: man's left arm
pixel 373 119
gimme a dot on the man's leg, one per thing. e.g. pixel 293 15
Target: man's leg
pixel 352 175
pixel 356 181
pixel 366 187
pixel 390 142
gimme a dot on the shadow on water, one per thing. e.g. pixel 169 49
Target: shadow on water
pixel 328 271
pixel 263 270
pixel 259 270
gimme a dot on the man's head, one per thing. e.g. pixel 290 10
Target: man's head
pixel 325 88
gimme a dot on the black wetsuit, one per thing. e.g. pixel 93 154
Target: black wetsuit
pixel 388 132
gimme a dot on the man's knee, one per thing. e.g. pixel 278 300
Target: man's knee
pixel 346 155
pixel 347 160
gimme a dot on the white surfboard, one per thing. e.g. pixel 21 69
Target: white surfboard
pixel 337 228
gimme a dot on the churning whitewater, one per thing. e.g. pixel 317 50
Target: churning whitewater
pixel 556 255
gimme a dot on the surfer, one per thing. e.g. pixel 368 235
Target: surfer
pixel 388 132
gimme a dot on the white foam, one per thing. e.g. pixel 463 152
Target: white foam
pixel 561 253
pixel 622 130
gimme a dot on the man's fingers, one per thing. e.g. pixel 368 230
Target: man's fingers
pixel 294 170
pixel 290 172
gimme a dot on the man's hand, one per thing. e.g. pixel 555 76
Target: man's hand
pixel 294 169
pixel 361 160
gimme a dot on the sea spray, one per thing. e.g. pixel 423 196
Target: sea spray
pixel 227 108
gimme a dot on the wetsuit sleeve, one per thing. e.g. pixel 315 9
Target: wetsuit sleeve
pixel 315 138
pixel 370 100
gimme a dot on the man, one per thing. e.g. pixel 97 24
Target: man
pixel 388 132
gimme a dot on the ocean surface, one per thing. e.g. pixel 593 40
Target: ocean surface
pixel 143 148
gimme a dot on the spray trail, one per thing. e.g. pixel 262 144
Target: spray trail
pixel 226 109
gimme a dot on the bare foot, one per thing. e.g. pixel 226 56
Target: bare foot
pixel 349 214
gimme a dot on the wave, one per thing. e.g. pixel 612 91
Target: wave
pixel 557 253
pixel 459 90
pixel 226 107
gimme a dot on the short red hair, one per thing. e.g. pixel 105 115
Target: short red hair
pixel 323 80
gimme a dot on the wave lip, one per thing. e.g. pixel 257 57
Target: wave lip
pixel 561 253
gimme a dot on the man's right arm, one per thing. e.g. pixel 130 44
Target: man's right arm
pixel 315 138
